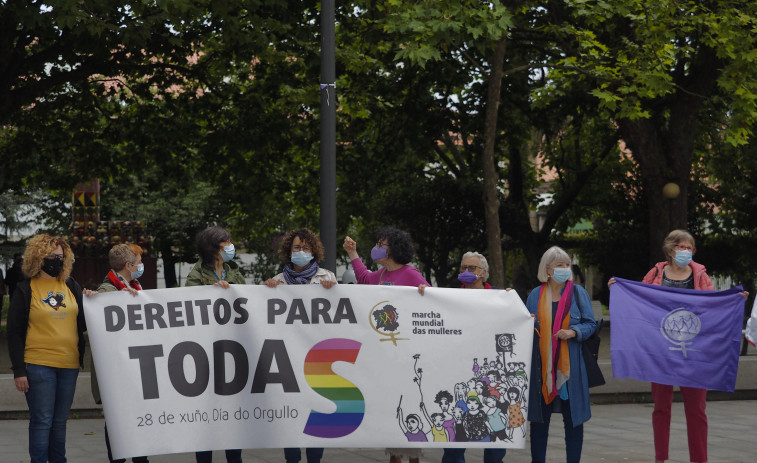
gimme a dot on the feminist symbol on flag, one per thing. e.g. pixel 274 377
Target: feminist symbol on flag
pixel 679 327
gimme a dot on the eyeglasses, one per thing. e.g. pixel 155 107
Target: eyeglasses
pixel 298 248
pixel 682 247
pixel 470 268
pixel 382 244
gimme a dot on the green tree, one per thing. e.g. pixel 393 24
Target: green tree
pixel 727 204
pixel 162 97
pixel 431 74
pixel 173 212
pixel 664 72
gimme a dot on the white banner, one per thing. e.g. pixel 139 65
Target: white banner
pixel 201 368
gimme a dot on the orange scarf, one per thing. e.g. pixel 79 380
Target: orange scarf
pixel 555 360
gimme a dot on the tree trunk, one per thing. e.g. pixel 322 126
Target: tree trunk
pixel 491 179
pixel 169 267
pixel 664 157
pixel 663 145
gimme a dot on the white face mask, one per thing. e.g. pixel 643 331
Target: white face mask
pixel 139 272
pixel 683 258
pixel 561 275
pixel 228 252
pixel 301 258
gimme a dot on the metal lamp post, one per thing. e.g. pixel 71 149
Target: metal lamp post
pixel 328 135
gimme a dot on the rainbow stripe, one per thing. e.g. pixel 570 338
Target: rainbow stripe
pixel 350 406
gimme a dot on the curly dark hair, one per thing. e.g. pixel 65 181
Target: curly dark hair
pixel 400 244
pixel 307 237
pixel 443 395
pixel 209 244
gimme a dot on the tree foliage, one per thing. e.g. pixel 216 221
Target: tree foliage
pixel 209 110
pixel 664 72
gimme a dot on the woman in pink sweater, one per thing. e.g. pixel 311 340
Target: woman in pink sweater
pixel 393 251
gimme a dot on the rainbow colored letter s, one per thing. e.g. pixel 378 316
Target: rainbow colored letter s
pixel 350 406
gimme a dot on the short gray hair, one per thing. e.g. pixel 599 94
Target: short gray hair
pixel 120 255
pixel 482 262
pixel 549 258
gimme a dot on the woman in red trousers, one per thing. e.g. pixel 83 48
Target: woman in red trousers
pixel 679 271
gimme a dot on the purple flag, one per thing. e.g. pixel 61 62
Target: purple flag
pixel 679 337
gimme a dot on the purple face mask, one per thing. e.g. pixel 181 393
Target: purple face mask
pixel 467 277
pixel 378 253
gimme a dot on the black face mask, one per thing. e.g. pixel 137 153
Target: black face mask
pixel 52 266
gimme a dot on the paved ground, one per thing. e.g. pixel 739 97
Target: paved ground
pixel 616 433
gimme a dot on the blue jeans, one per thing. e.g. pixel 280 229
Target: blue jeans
pixel 232 456
pixel 458 455
pixel 574 435
pixel 50 395
pixel 293 455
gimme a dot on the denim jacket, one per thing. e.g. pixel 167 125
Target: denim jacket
pixel 583 323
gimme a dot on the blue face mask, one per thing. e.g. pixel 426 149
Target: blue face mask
pixel 301 258
pixel 561 275
pixel 139 272
pixel 378 253
pixel 467 277
pixel 228 252
pixel 683 258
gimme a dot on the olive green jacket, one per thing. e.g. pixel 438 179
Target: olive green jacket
pixel 200 275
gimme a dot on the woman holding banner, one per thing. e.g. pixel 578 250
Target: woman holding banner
pixel 750 333
pixel 474 270
pixel 125 267
pixel 393 251
pixel 46 343
pixel 301 250
pixel 679 271
pixel 558 375
pixel 215 267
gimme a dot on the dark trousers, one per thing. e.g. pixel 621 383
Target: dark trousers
pixel 294 454
pixel 232 456
pixel 574 435
pixel 458 455
pixel 123 460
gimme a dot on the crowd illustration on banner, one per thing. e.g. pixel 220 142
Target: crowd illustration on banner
pixel 488 406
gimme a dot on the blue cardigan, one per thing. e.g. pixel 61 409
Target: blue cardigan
pixel 583 323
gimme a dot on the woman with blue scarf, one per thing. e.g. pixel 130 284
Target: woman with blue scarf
pixel 301 250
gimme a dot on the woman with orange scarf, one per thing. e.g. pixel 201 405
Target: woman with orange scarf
pixel 558 375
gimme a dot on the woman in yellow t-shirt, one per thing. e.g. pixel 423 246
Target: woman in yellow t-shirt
pixel 45 343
